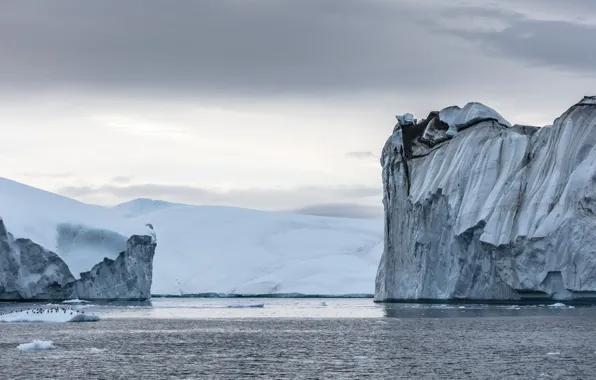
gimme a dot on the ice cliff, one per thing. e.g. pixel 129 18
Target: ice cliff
pixel 30 271
pixel 478 209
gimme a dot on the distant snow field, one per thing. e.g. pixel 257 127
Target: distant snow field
pixel 204 249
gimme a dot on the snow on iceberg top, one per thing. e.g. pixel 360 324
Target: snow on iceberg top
pixel 48 315
pixel 587 101
pixel 455 116
pixel 406 119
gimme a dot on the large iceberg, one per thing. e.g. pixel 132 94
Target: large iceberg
pixel 478 209
pixel 210 250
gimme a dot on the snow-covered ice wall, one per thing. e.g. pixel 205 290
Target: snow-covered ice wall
pixel 478 209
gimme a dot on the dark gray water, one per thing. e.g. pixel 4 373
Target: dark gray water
pixel 302 339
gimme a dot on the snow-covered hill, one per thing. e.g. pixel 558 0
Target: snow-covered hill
pixel 204 248
pixel 232 250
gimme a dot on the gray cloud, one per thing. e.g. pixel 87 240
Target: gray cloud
pixel 562 44
pixel 342 210
pixel 267 199
pixel 121 180
pixel 46 175
pixel 361 155
pixel 230 46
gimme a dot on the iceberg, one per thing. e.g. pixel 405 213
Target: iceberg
pixel 202 250
pixel 477 208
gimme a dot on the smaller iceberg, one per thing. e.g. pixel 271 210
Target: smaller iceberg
pixel 48 315
pixel 37 345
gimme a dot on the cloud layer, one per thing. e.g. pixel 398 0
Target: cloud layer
pixel 272 104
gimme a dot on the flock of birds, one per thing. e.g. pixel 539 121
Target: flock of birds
pixel 42 310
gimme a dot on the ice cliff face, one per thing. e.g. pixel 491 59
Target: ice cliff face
pixel 127 277
pixel 478 209
pixel 29 271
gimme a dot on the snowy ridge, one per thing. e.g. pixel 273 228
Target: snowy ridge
pixel 490 211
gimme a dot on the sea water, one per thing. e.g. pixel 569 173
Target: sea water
pixel 306 339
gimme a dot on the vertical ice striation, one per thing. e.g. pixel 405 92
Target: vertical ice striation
pixel 478 209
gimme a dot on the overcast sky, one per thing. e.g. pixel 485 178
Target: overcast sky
pixel 268 104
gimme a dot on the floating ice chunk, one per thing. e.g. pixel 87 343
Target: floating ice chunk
pixel 243 306
pixel 462 307
pixel 553 353
pixel 75 301
pixel 53 315
pixel 558 304
pixel 37 345
pixel 361 357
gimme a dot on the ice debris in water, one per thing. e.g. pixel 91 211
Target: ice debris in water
pixel 76 300
pixel 53 314
pixel 558 304
pixel 244 306
pixel 37 345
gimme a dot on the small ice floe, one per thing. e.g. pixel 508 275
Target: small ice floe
pixel 37 345
pixel 323 303
pixel 57 314
pixel 75 301
pixel 553 353
pixel 95 350
pixel 513 307
pixel 558 304
pixel 461 307
pixel 245 306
